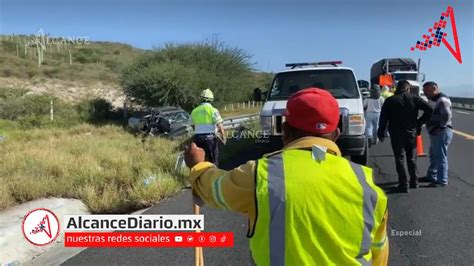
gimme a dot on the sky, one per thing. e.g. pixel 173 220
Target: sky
pixel 275 32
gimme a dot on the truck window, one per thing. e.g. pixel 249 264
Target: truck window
pixel 340 83
pixel 407 76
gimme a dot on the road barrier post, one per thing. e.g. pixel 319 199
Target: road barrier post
pixel 51 111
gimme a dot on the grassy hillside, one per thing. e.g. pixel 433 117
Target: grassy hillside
pixel 72 71
pixel 88 61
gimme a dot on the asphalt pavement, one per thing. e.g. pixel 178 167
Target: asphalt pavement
pixel 440 220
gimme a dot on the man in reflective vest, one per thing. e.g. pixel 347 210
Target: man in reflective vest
pixel 207 121
pixel 306 204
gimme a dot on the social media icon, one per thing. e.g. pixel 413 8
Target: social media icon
pixel 223 239
pixel 202 239
pixel 212 239
pixel 190 238
pixel 178 239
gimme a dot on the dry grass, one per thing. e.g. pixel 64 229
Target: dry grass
pixel 105 167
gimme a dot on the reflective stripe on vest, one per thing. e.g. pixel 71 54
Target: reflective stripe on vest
pixel 276 196
pixel 273 225
pixel 370 200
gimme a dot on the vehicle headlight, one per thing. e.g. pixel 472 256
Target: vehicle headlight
pixel 266 123
pixel 356 124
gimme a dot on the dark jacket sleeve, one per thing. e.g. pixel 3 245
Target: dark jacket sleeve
pixel 383 118
pixel 426 108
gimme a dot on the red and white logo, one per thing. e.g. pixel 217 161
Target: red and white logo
pixel 40 227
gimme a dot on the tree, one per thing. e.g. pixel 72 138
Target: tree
pixel 176 74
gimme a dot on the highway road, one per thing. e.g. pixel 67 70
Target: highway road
pixel 443 218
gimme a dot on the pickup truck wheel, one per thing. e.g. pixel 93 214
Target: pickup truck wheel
pixel 364 158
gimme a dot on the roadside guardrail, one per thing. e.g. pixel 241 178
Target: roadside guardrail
pixel 233 122
pixel 462 103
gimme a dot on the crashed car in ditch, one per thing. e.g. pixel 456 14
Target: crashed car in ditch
pixel 167 121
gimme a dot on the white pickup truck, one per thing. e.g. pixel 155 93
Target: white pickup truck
pixel 341 82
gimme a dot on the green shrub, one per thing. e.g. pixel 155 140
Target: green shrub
pixel 51 72
pixel 7 125
pixel 32 72
pixel 9 93
pixel 113 65
pixel 176 74
pixel 95 110
pixel 34 111
pixel 87 55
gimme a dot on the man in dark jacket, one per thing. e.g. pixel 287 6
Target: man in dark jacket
pixel 400 111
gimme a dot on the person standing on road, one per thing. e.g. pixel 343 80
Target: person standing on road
pixel 306 204
pixel 207 121
pixel 400 112
pixel 441 133
pixel 372 108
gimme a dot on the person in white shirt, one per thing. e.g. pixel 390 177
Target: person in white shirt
pixel 373 107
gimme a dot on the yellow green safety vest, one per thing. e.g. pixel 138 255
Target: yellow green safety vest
pixel 386 94
pixel 205 117
pixel 315 212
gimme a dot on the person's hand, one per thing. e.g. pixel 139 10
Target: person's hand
pixel 193 155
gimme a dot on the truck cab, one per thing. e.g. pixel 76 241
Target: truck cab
pixel 341 82
pixel 399 69
pixel 412 77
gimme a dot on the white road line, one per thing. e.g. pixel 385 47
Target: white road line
pixel 462 112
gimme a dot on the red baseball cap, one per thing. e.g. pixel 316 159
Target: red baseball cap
pixel 312 110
